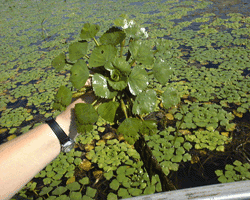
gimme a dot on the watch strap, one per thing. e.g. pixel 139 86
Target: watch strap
pixel 63 138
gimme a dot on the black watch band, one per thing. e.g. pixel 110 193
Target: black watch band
pixel 63 138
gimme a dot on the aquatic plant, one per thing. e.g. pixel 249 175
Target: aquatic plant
pixel 235 172
pixel 119 81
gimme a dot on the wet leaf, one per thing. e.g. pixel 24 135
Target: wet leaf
pixel 100 87
pixel 145 102
pixel 170 98
pixel 138 80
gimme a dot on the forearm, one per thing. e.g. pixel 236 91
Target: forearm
pixel 23 157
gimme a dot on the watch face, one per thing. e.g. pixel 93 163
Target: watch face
pixel 68 146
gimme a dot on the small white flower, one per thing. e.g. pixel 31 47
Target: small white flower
pixel 143 30
pixel 126 24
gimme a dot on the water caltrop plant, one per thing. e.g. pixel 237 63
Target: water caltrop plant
pixel 120 83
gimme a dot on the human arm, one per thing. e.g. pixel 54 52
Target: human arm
pixel 25 156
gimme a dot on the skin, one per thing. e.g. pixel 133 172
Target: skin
pixel 25 156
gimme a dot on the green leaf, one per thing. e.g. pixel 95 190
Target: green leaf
pixel 122 192
pixel 84 181
pixel 47 181
pixel 135 191
pixel 63 98
pixel 149 190
pixel 91 192
pixel 73 186
pixel 222 179
pixel 237 163
pixel 162 72
pixel 77 50
pixel 114 184
pixel 101 55
pixel 130 128
pixel 58 176
pixel 120 84
pixel 55 183
pixel 177 158
pixel 59 190
pixel 113 36
pixel 141 52
pixel 85 113
pixel 112 196
pixel 149 127
pixel 180 151
pixel 138 80
pixel 108 175
pixel 100 87
pixel 75 195
pixel 45 190
pixel 170 98
pixel 122 65
pixel 79 74
pixel 187 145
pixel 186 157
pixel 59 62
pixel 145 102
pixel 219 172
pixel 89 31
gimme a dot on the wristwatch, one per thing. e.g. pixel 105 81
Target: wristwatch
pixel 66 142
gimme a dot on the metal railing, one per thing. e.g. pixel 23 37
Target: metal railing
pixel 239 190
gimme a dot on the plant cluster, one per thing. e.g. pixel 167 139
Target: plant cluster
pixel 208 116
pixel 130 180
pixel 235 172
pixel 211 140
pixel 119 81
pixel 14 117
pixel 168 149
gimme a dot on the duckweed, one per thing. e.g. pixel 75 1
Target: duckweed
pixel 235 172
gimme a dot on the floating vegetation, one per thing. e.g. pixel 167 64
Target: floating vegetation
pixel 209 57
